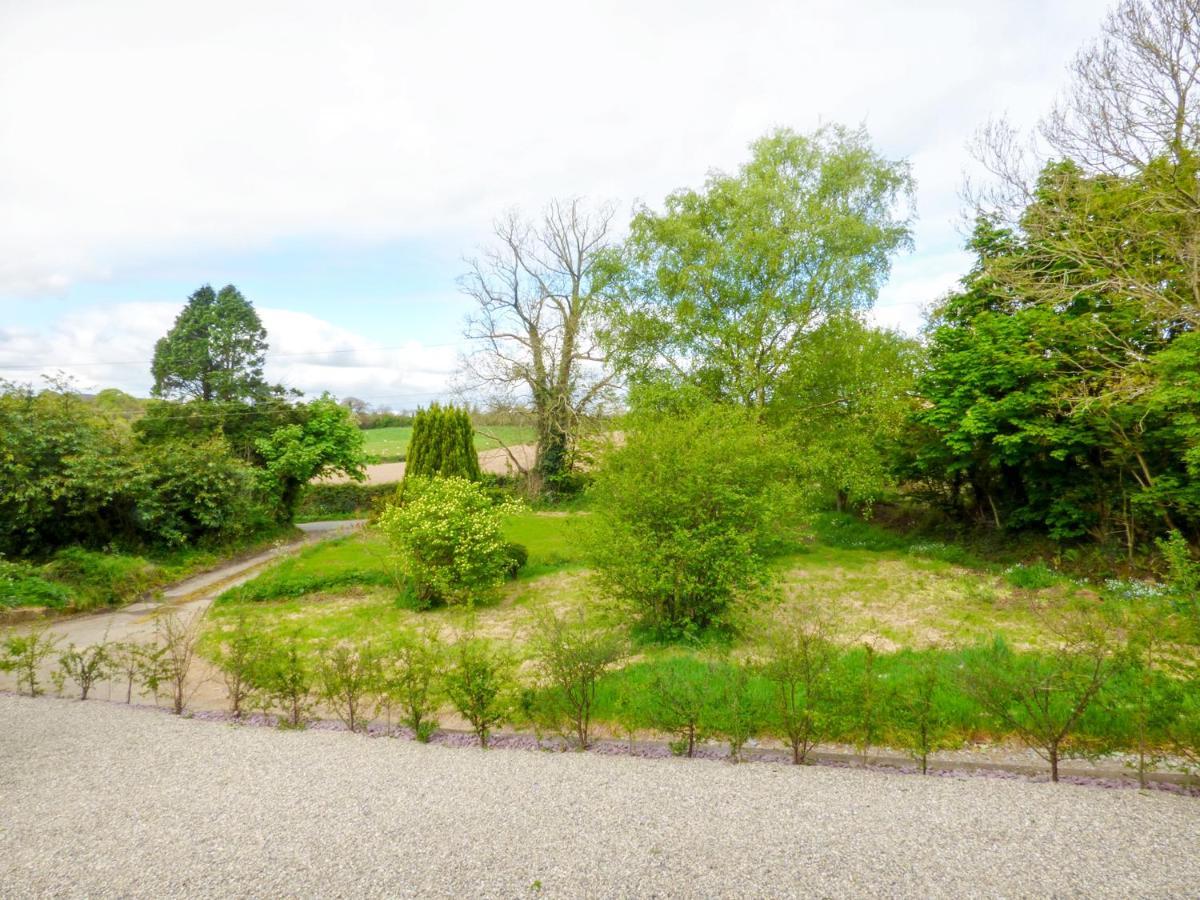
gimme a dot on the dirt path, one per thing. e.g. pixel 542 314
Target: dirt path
pixel 497 462
pixel 193 595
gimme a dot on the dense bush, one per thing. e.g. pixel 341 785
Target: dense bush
pixel 72 474
pixel 443 443
pixel 446 533
pixel 335 501
pixel 22 584
pixel 688 512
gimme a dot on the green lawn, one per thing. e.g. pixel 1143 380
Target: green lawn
pixel 391 444
pixel 875 588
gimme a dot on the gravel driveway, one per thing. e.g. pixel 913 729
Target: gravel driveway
pixel 97 799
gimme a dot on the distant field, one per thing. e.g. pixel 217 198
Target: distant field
pixel 391 444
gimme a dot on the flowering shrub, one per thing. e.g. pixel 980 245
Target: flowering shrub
pixel 447 537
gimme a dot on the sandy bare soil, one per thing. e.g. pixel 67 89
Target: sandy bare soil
pixel 497 462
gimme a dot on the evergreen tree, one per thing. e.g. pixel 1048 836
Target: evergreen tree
pixel 443 444
pixel 214 351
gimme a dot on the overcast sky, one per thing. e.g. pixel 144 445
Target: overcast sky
pixel 337 160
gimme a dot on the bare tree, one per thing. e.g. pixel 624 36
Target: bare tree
pixel 1131 109
pixel 1135 93
pixel 538 291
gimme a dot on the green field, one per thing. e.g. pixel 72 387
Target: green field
pixel 391 444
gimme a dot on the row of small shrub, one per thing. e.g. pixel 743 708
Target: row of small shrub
pixel 1088 695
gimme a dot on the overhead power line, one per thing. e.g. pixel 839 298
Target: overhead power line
pixel 147 362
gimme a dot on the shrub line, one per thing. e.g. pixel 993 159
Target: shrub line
pixel 659 749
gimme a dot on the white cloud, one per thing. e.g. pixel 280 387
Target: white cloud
pixel 112 347
pixel 133 130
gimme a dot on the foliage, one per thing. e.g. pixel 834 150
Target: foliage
pixel 798 662
pixel 1033 420
pixel 738 712
pixel 70 473
pixel 721 288
pixel 479 682
pixel 443 444
pixel 86 666
pixel 127 661
pixel 1183 576
pixel 572 654
pixel 214 351
pixel 347 677
pixel 324 500
pixel 238 652
pixel 448 539
pixel 1042 698
pixel 22 584
pixel 687 512
pixel 177 635
pixel 24 654
pixel 327 442
pixel 285 679
pixel 923 724
pixel 409 677
pixel 679 701
pixel 843 403
pixel 517 556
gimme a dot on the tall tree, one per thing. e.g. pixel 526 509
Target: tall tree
pixel 214 351
pixel 720 288
pixel 538 293
pixel 442 444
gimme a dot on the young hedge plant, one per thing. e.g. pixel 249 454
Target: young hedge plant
pixel 479 682
pixel 572 654
pixel 24 654
pixel 1041 697
pixel 409 680
pixel 798 661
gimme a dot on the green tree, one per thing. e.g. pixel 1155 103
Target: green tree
pixel 214 351
pixel 687 513
pixel 721 288
pixel 844 403
pixel 443 443
pixel 327 441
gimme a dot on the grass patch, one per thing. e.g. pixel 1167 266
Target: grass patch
pixel 391 444
pixel 626 697
pixel 554 539
pixel 332 565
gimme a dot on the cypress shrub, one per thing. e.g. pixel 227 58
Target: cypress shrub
pixel 442 444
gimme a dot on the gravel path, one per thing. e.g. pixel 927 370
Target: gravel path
pixel 97 799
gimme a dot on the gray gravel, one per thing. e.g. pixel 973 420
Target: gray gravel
pixel 100 800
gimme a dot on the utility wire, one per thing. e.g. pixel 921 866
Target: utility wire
pixel 147 362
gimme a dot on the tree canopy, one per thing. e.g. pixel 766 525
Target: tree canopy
pixel 214 352
pixel 721 287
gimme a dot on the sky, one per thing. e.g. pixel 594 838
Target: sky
pixel 337 162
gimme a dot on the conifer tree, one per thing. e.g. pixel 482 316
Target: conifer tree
pixel 443 444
